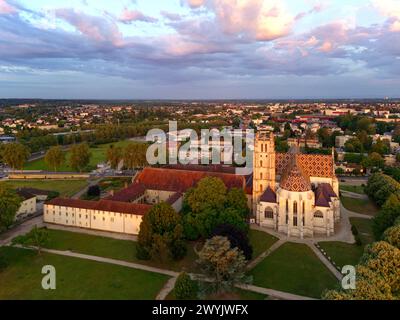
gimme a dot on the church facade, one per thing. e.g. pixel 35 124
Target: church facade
pixel 294 193
pixel 291 193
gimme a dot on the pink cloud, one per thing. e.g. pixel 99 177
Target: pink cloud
pixel 95 28
pixel 195 3
pixel 128 16
pixel 6 8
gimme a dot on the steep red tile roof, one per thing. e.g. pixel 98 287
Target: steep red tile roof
pixel 102 205
pixel 208 168
pixel 129 194
pixel 181 180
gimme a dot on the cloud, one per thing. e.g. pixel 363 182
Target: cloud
pixel 6 8
pixel 261 20
pixel 390 9
pixel 129 16
pixel 96 28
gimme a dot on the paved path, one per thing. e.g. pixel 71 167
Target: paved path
pixel 352 214
pixel 325 261
pixel 274 293
pixel 354 195
pixel 265 254
pixel 21 229
pixel 168 287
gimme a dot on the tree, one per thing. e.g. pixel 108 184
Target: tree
pixel 39 238
pixel 134 155
pixel 15 155
pixel 161 234
pixel 3 262
pixel 387 216
pixel 378 275
pixel 210 193
pixel 54 157
pixel 93 191
pixel 185 288
pixel 9 205
pixel 236 198
pixel 374 160
pixel 237 238
pixel 80 156
pixel 392 236
pixel 223 266
pixel 114 156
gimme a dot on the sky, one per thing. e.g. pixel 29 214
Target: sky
pixel 199 49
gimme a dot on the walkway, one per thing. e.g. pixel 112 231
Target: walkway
pixel 21 229
pixel 171 282
pixel 265 254
pixel 354 195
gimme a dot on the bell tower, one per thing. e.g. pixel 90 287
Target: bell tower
pixel 264 165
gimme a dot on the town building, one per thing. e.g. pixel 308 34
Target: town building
pixel 27 206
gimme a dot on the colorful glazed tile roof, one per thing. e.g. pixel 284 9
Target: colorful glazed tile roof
pixel 294 178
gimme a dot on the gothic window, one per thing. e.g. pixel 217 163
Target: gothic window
pixel 304 208
pixel 261 163
pixel 262 147
pixel 269 213
pixel 287 206
pixel 261 187
pixel 295 208
pixel 295 220
pixel 318 214
pixel 261 175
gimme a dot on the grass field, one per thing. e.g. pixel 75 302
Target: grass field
pixel 113 248
pixel 260 241
pixel 355 189
pixel 126 250
pixel 296 269
pixel 360 205
pixel 98 156
pixel 65 188
pixel 75 279
pixel 350 254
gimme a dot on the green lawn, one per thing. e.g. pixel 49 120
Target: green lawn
pixel 355 189
pixel 98 156
pixel 359 205
pixel 76 279
pixel 294 268
pixel 66 188
pixel 350 254
pixel 113 248
pixel 260 241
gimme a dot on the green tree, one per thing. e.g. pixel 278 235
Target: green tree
pixel 236 198
pixel 114 156
pixel 15 155
pixel 9 205
pixel 381 147
pixel 210 193
pixel 80 156
pixel 161 234
pixel 134 155
pixel 387 216
pixel 55 157
pixel 392 236
pixel 39 237
pixel 185 288
pixel 222 265
pixel 378 275
pixel 374 160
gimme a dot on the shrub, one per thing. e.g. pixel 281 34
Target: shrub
pixel 94 191
pixel 185 288
pixel 358 240
pixel 53 195
pixel 354 230
pixel 3 263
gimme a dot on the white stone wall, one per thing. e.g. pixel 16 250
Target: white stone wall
pixel 27 207
pixel 93 219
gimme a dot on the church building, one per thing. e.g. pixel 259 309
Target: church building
pixel 292 193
